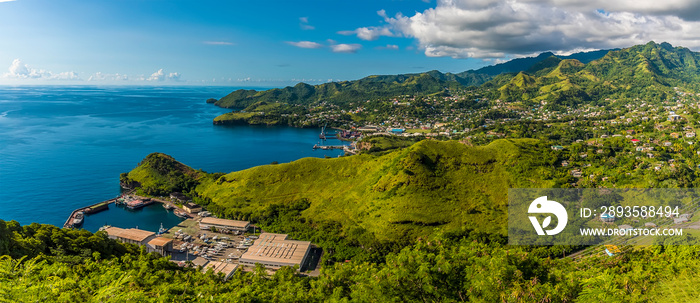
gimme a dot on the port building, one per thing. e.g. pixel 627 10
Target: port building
pixel 275 250
pixel 191 208
pixel 224 224
pixel 161 245
pixel 220 267
pixel 140 237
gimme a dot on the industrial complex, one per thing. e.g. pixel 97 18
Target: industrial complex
pixel 220 245
pixel 275 251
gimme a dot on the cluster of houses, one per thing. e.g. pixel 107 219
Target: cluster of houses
pixel 682 218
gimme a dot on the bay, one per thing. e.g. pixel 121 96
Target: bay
pixel 63 147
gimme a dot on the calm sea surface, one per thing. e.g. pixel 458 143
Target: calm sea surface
pixel 62 148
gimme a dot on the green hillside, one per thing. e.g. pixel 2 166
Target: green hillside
pixel 648 72
pixel 397 196
pixel 530 63
pixel 159 174
pixel 348 91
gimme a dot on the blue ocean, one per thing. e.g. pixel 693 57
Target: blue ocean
pixel 63 147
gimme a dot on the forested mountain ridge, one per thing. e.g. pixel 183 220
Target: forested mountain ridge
pixel 650 72
pixel 376 86
pixel 370 87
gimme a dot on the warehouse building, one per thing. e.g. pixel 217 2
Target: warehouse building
pixel 220 267
pixel 161 245
pixel 191 208
pixel 275 250
pixel 131 235
pixel 224 224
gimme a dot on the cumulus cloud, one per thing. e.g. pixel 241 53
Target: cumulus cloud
pixel 334 46
pixel 304 23
pixel 305 44
pixel 369 33
pixel 372 32
pixel 157 76
pixel 99 76
pixel 160 75
pixel 19 70
pixel 345 48
pixel 389 46
pixel 496 28
pixel 174 76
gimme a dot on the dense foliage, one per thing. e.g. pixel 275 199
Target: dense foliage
pixel 456 267
pixel 65 245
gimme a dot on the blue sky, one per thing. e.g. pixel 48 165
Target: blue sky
pixel 276 43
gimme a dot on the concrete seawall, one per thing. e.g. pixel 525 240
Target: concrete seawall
pixel 69 222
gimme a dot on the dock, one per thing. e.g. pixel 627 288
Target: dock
pixel 316 146
pixel 94 208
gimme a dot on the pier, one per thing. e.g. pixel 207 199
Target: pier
pixel 316 146
pixel 97 207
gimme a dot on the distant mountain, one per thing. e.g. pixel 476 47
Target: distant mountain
pixel 644 71
pixel 647 72
pixel 523 64
pixel 428 83
pixel 433 82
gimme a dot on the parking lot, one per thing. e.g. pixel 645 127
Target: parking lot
pixel 191 242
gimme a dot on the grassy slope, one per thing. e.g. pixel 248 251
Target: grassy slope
pixel 408 192
pixel 160 174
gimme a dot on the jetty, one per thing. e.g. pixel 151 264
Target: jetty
pixel 317 146
pixel 94 208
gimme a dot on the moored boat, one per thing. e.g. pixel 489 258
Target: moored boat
pixel 161 230
pixel 78 219
pixel 181 214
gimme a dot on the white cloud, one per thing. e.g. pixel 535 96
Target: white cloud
pixel 369 33
pixel 304 23
pixel 6 1
pixel 174 76
pixel 157 76
pixel 389 46
pixel 305 44
pixel 217 43
pixel 99 76
pixel 160 75
pixel 19 70
pixel 345 48
pixel 65 76
pixel 496 28
pixel 372 32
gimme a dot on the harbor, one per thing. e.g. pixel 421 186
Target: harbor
pixel 197 238
pixel 77 217
pixel 148 214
